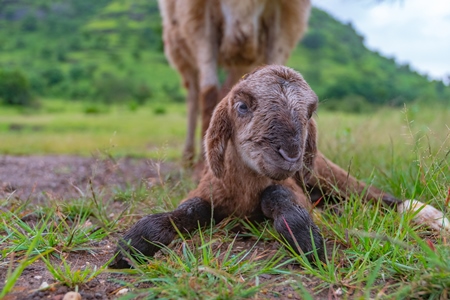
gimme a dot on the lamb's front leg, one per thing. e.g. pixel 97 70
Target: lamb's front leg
pixel 153 231
pixel 292 221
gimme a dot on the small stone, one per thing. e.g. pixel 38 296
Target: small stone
pixel 87 224
pixel 265 276
pixel 339 292
pixel 122 291
pixel 43 285
pixel 72 296
pixel 38 277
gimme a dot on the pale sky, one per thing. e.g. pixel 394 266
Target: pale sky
pixel 413 31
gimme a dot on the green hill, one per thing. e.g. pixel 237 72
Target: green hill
pixel 111 51
pixel 335 61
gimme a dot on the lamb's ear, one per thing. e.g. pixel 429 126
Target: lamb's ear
pixel 310 151
pixel 216 139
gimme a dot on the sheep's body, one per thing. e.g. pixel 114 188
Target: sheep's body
pixel 201 35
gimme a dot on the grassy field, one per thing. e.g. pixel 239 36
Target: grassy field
pixel 372 252
pixel 83 129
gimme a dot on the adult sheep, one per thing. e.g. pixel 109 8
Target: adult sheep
pixel 261 155
pixel 200 36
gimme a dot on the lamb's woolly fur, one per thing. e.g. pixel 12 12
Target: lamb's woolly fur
pixel 243 148
pixel 262 159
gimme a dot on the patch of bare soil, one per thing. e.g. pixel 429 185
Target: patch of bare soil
pixel 39 178
pixel 67 177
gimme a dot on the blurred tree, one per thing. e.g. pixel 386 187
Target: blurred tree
pixel 30 23
pixel 53 76
pixel 77 72
pixel 141 93
pixel 314 40
pixel 14 88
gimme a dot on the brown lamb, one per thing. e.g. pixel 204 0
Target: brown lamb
pixel 201 35
pixel 261 157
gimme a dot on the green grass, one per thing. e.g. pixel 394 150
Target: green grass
pixel 145 132
pixel 372 252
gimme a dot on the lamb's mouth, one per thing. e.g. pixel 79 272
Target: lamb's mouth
pixel 278 171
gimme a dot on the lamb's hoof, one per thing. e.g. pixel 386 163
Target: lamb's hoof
pixel 120 262
pixel 292 221
pixel 425 215
pixel 144 239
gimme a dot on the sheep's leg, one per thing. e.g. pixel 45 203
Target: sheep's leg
pixel 207 49
pixel 209 90
pixel 333 180
pixel 291 221
pixel 152 232
pixel 209 99
pixel 192 105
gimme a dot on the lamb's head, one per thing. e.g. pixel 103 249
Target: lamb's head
pixel 267 118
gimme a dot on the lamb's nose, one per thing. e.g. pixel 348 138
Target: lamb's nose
pixel 287 157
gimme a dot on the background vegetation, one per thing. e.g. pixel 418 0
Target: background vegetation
pixel 110 51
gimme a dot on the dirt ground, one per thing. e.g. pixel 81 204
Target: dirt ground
pixel 38 178
pixel 64 177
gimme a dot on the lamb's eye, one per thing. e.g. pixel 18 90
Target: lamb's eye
pixel 242 108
